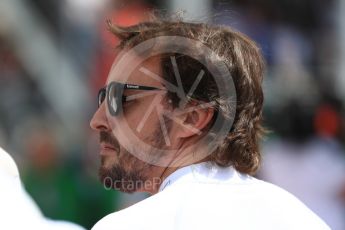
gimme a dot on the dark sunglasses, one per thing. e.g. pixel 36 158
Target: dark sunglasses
pixel 113 93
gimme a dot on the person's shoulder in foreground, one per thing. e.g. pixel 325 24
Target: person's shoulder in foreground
pixel 17 209
pixel 180 117
pixel 206 196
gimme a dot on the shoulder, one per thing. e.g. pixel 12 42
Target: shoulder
pixel 205 204
pixel 151 213
pixel 285 208
pixel 7 164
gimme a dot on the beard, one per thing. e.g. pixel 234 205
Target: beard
pixel 124 171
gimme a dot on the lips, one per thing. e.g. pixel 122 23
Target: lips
pixel 108 142
pixel 108 147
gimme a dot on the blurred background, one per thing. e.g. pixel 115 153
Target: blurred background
pixel 55 55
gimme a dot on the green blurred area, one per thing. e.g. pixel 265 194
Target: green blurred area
pixel 64 192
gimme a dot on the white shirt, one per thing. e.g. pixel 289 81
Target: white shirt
pixel 317 178
pixel 206 196
pixel 17 209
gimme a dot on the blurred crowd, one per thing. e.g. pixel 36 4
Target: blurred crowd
pixel 56 54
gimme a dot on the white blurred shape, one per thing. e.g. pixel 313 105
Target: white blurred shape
pixel 17 210
pixel 7 164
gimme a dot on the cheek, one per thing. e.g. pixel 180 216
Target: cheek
pixel 141 118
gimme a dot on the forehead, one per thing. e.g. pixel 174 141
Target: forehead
pixel 133 69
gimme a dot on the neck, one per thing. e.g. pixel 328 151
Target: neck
pixel 159 174
pixel 166 172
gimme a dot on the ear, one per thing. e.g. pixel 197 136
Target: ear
pixel 194 120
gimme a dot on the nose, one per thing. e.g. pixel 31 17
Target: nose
pixel 99 121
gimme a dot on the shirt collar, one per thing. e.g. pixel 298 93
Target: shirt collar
pixel 172 178
pixel 203 172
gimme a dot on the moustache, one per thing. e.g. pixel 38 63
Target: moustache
pixel 108 138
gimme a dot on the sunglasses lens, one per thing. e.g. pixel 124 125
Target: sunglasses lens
pixel 101 96
pixel 113 95
pixel 112 100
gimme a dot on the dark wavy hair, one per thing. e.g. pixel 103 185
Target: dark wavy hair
pixel 246 66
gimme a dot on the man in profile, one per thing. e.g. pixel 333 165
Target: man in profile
pixel 180 117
